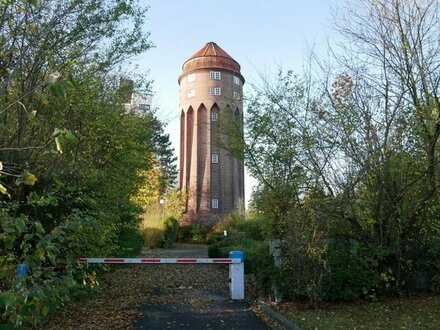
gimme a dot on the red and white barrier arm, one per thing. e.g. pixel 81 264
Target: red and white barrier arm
pixel 236 267
pixel 159 260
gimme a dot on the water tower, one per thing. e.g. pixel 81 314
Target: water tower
pixel 211 86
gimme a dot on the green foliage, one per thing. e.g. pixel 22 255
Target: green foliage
pixel 171 226
pixel 435 283
pixel 303 255
pixel 236 226
pixel 194 233
pixel 71 155
pixel 198 233
pixel 130 242
pixel 233 224
pixel 351 273
pixel 333 162
pixel 55 276
pixel 257 259
pixel 157 211
pixel 247 236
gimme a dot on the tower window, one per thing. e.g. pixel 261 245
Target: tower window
pixel 236 80
pixel 214 116
pixel 214 158
pixel 214 203
pixel 144 107
pixel 215 75
pixel 237 95
pixel 190 93
pixel 191 77
pixel 215 91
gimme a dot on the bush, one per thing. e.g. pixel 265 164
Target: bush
pixel 350 275
pixel 54 274
pixel 152 237
pixel 7 272
pixel 194 233
pixel 212 238
pixel 435 283
pixel 257 259
pixel 234 225
pixel 171 226
pixel 222 248
pixel 130 241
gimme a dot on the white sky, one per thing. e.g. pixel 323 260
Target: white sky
pixel 260 35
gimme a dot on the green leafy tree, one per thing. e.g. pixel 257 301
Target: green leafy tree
pixel 364 135
pixel 71 156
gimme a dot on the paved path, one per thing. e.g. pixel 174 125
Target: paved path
pixel 196 303
pixel 164 296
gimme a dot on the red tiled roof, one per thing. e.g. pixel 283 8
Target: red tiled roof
pixel 211 56
pixel 211 49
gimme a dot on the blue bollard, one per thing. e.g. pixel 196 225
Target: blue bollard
pixel 21 270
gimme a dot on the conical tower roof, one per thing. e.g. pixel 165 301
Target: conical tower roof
pixel 211 56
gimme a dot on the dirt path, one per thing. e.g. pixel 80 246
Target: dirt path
pixel 162 297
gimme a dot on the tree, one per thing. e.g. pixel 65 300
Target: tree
pixel 352 153
pixel 42 40
pixel 397 41
pixel 70 154
pixel 390 51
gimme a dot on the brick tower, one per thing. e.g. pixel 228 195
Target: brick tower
pixel 210 86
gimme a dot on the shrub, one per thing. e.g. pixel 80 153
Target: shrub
pixel 212 238
pixel 222 248
pixel 51 256
pixel 435 283
pixel 152 237
pixel 349 274
pixel 194 233
pixel 7 271
pixel 234 225
pixel 130 241
pixel 257 259
pixel 171 226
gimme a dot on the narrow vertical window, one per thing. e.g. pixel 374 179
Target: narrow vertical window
pixel 237 95
pixel 214 158
pixel 215 91
pixel 191 77
pixel 214 116
pixel 236 80
pixel 214 203
pixel 215 75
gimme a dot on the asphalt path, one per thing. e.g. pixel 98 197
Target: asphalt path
pixel 198 300
pixel 160 296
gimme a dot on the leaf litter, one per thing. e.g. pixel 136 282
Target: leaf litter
pixel 125 291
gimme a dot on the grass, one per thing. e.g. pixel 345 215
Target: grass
pixel 417 312
pixel 152 225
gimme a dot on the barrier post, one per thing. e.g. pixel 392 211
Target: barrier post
pixel 236 275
